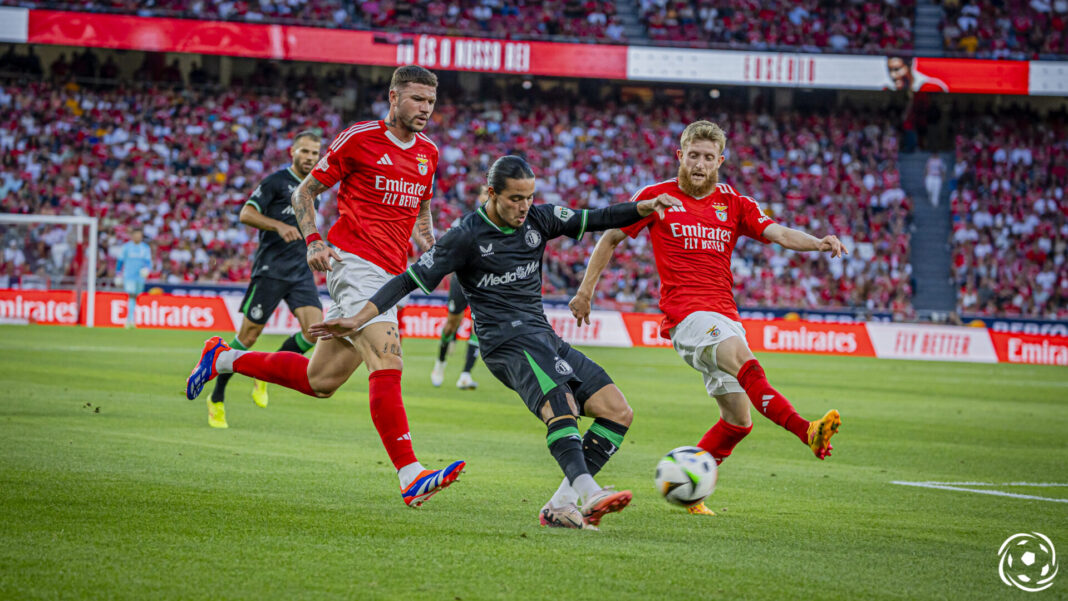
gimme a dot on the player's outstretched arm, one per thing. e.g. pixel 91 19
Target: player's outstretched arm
pixel 345 326
pixel 303 201
pixel 445 257
pixel 798 240
pixel 387 296
pixel 424 227
pixel 582 303
pixel 250 215
pixel 628 213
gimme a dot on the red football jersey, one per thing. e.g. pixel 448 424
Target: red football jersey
pixel 383 180
pixel 692 246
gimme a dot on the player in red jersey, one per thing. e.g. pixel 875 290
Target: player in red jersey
pixel 386 170
pixel 692 245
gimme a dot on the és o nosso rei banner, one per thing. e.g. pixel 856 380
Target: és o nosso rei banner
pixel 557 59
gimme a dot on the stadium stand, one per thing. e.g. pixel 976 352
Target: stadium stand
pixel 836 26
pixel 178 163
pixel 181 162
pixel 1010 29
pixel 832 174
pixel 864 26
pixel 1010 232
pixel 565 20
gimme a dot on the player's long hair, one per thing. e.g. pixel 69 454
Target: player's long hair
pixel 506 168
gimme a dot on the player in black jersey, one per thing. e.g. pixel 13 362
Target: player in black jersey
pixel 496 252
pixel 279 269
pixel 456 307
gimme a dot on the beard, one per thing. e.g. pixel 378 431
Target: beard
pixel 689 187
pixel 410 124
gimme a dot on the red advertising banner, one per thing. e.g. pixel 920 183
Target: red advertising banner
pixel 51 307
pixel 638 63
pixel 426 321
pixel 165 311
pixel 1033 349
pixel 326 45
pixel 456 54
pixel 607 328
pixel 970 76
pixel 644 329
pixel 808 337
pixel 155 34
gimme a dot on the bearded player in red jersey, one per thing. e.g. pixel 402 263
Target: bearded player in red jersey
pixel 692 245
pixel 386 169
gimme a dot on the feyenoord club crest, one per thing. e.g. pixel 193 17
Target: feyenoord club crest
pixel 533 238
pixel 721 212
pixel 563 367
pixel 424 165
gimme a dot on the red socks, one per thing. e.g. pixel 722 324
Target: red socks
pixel 387 409
pixel 769 402
pixel 721 439
pixel 284 368
pixel 387 413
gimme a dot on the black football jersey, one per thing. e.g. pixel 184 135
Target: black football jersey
pixel 275 258
pixel 499 268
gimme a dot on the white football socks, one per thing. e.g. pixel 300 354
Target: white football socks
pixel 564 495
pixel 224 363
pixel 585 486
pixel 409 473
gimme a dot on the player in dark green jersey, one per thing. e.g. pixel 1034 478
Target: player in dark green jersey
pixel 496 252
pixel 279 268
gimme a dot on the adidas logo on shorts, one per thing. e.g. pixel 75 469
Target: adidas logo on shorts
pixel 385 160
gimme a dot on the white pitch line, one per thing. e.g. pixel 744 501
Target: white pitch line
pixel 997 493
pixel 98 349
pixel 1046 484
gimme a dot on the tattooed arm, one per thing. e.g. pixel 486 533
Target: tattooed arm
pixel 303 201
pixel 424 227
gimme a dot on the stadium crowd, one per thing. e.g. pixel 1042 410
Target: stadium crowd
pixel 812 25
pixel 830 174
pixel 1010 216
pixel 181 163
pixel 566 20
pixel 1013 29
pixel 178 164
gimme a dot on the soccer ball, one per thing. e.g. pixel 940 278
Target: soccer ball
pixel 686 475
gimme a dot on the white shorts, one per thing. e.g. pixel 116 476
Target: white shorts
pixel 696 340
pixel 351 283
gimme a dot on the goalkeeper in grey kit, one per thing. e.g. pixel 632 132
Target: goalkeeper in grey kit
pixel 496 252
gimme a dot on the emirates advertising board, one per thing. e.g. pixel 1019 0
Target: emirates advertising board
pixel 221 314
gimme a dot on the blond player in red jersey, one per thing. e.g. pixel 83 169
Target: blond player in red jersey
pixel 692 245
pixel 386 170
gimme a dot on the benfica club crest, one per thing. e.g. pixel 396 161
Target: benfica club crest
pixel 721 212
pixel 424 164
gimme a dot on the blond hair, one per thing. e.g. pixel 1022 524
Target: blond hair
pixel 703 130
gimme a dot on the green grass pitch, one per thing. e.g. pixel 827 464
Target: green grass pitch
pixel 112 485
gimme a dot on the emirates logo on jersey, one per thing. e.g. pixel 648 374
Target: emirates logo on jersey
pixel 424 164
pixel 323 164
